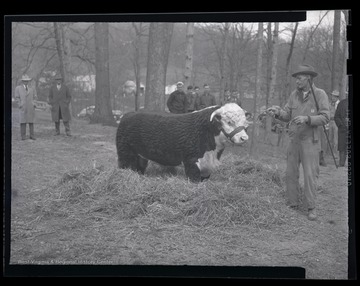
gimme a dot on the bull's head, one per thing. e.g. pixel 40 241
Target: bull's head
pixel 231 120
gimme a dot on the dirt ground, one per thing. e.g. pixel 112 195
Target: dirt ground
pixel 320 246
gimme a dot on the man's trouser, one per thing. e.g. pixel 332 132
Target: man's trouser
pixel 23 130
pixel 307 153
pixel 66 124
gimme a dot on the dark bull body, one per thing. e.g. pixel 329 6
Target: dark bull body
pixel 195 139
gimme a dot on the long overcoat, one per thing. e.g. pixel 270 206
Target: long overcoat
pixel 341 119
pixel 60 101
pixel 25 101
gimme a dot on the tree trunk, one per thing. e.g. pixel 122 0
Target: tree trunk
pixel 335 52
pixel 136 62
pixel 269 57
pixel 102 113
pixel 189 54
pixel 286 89
pixel 63 48
pixel 272 83
pixel 223 61
pixel 160 35
pixel 257 86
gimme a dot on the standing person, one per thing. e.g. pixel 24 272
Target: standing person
pixel 25 95
pixel 342 121
pixel 333 130
pixel 197 90
pixel 59 99
pixel 206 99
pixel 177 100
pixel 305 120
pixel 190 99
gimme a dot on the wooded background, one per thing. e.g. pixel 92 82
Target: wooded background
pixel 254 59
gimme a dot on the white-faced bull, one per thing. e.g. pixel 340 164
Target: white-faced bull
pixel 195 139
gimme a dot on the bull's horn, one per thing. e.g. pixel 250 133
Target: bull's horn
pixel 214 113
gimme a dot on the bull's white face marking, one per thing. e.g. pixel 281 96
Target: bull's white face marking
pixel 232 116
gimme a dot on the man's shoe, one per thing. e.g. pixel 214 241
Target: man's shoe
pixel 57 133
pixel 312 214
pixel 68 134
pixel 32 138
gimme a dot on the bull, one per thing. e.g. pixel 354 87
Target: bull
pixel 195 139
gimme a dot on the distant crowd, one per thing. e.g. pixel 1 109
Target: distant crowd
pixel 193 99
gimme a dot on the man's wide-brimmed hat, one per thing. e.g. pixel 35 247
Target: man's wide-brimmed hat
pixel 25 77
pixel 305 69
pixel 179 83
pixel 335 93
pixel 58 76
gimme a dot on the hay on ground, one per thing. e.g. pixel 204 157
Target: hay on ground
pixel 240 192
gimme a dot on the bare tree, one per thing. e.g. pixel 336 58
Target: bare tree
pixel 102 113
pixel 310 37
pixel 189 53
pixel 160 35
pixel 257 85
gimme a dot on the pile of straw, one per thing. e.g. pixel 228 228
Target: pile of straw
pixel 240 192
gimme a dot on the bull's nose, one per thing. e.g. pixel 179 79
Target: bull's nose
pixel 244 137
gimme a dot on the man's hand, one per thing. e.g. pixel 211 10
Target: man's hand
pixel 273 110
pixel 300 119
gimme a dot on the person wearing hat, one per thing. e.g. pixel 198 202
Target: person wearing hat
pixel 304 120
pixel 177 100
pixel 59 99
pixel 206 99
pixel 341 119
pixel 333 130
pixel 25 95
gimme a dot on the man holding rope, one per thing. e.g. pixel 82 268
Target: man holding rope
pixel 306 110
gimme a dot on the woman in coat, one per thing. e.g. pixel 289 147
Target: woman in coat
pixel 59 99
pixel 25 95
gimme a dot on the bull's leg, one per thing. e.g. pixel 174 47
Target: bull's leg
pixel 192 171
pixel 142 164
pixel 127 159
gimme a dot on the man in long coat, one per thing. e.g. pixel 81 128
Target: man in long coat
pixel 24 94
pixel 342 121
pixel 305 119
pixel 59 99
